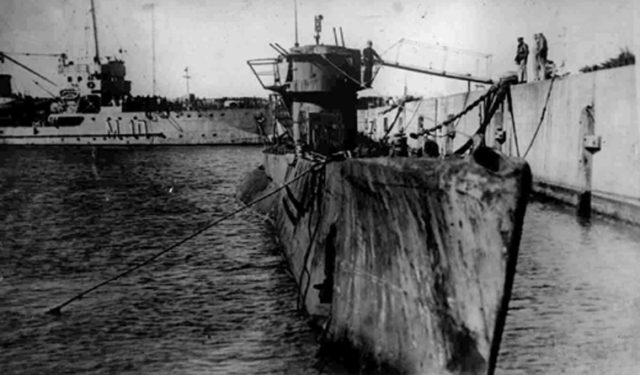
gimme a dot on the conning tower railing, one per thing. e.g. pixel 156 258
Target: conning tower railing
pixel 267 72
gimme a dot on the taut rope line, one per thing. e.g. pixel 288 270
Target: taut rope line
pixel 57 309
pixel 544 111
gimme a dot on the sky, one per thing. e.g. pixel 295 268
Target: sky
pixel 215 38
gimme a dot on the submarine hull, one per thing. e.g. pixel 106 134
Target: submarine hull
pixel 407 264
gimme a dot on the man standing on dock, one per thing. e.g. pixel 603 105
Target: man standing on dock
pixel 540 62
pixel 541 56
pixel 369 56
pixel 521 59
pixel 536 62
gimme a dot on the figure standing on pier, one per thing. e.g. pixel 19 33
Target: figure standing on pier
pixel 521 59
pixel 541 56
pixel 536 61
pixel 369 56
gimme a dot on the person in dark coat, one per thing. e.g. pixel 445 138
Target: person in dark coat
pixel 521 59
pixel 369 56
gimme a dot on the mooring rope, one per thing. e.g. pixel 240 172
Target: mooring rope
pixel 350 77
pixel 57 309
pixel 513 122
pixel 464 111
pixel 466 100
pixel 393 123
pixel 544 110
pixel 316 199
pixel 347 75
pixel 415 112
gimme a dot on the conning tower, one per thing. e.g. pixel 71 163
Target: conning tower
pixel 319 88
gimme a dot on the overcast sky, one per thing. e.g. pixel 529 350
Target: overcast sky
pixel 215 38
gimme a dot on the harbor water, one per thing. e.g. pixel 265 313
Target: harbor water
pixel 224 303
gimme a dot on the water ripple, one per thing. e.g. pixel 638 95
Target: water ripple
pixel 224 303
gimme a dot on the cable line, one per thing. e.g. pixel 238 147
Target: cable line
pixel 57 309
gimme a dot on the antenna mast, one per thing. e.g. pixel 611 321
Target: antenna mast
pixel 186 78
pixel 295 17
pixel 152 8
pixel 153 45
pixel 96 59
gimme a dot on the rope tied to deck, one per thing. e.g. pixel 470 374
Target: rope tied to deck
pixel 57 309
pixel 466 110
pixel 316 184
pixel 544 111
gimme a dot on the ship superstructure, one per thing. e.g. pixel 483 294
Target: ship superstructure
pixel 94 106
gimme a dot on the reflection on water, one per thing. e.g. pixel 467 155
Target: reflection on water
pixel 224 303
pixel 575 307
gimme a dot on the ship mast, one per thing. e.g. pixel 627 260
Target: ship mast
pixel 295 18
pixel 96 59
pixel 186 78
pixel 152 8
pixel 153 45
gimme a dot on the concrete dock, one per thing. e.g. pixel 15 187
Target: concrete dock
pixel 582 111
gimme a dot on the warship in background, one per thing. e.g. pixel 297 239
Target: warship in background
pixel 406 263
pixel 96 108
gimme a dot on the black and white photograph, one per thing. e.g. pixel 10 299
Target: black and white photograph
pixel 411 187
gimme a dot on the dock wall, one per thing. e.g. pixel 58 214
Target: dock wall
pixel 560 167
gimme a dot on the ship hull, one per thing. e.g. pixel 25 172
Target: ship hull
pixel 215 127
pixel 407 263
